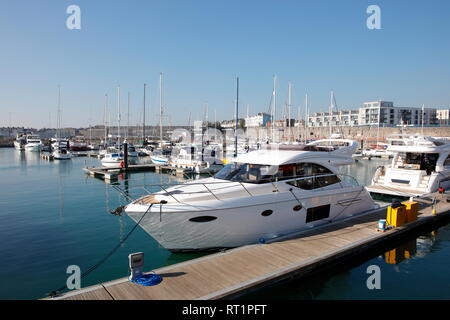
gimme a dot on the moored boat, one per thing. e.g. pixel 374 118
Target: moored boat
pixel 420 166
pixel 262 195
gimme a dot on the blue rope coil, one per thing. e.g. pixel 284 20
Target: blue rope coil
pixel 148 279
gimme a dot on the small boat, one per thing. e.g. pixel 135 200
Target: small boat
pixel 78 145
pixel 161 156
pixel 264 195
pixel 420 165
pixel 186 157
pixel 62 154
pixel 378 150
pixel 112 159
pixel 159 159
pixel 61 150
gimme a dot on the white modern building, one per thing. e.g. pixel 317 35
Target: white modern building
pixel 259 120
pixel 443 116
pixel 337 118
pixel 384 113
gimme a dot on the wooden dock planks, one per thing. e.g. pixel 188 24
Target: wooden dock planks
pixel 230 273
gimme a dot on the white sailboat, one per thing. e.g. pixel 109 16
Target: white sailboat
pixel 112 157
pixel 61 146
pixel 161 156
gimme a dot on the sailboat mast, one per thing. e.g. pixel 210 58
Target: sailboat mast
pixel 118 116
pixel 237 114
pixel 105 115
pixel 306 115
pixel 58 120
pixel 160 110
pixel 331 113
pixel 143 117
pixel 274 109
pixel 289 110
pixel 128 116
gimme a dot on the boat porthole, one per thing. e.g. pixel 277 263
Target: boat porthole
pixel 203 219
pixel 297 207
pixel 266 213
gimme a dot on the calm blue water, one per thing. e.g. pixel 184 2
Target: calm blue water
pixel 52 215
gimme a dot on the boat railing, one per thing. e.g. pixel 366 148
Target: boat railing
pixel 344 180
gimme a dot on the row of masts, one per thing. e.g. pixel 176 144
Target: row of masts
pixel 273 113
pixel 107 115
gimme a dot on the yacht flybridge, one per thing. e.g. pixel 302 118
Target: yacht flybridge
pixel 420 166
pixel 264 195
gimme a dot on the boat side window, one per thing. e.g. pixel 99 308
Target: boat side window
pixel 316 176
pixel 246 172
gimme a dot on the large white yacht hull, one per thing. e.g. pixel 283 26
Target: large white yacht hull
pixel 239 221
pixel 33 147
pixel 19 146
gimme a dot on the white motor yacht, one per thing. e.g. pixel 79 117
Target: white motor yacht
pixel 62 154
pixel 378 150
pixel 420 166
pixel 112 159
pixel 20 142
pixel 262 196
pixel 33 143
pixel 192 159
pixel 61 150
pixel 161 156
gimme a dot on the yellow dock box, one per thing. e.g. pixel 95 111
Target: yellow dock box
pixel 412 209
pixel 396 216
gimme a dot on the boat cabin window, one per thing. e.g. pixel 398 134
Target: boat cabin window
pixel 246 172
pixel 317 176
pixel 256 173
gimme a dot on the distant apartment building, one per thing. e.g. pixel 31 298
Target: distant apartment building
pixel 443 116
pixel 259 120
pixel 337 118
pixel 384 113
pixel 376 113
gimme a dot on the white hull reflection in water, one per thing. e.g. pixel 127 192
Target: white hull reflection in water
pixel 262 196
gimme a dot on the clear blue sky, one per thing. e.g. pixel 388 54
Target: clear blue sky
pixel 202 45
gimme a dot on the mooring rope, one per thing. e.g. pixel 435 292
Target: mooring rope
pixel 101 261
